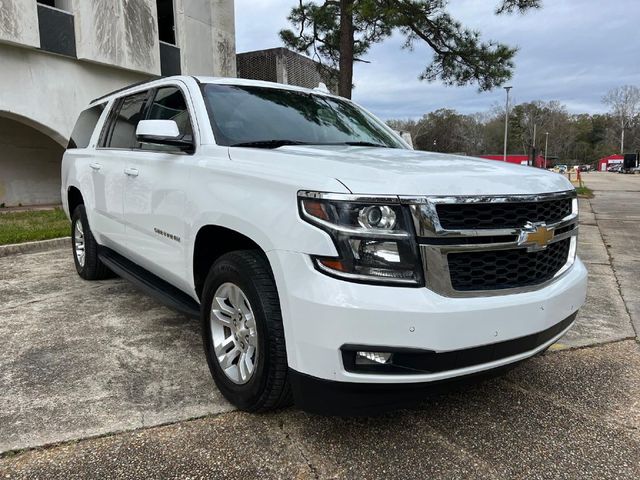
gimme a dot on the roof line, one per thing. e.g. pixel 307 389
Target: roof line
pixel 122 89
pixel 133 85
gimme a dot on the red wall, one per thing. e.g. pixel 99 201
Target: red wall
pixel 606 162
pixel 518 159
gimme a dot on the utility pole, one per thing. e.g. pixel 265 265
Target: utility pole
pixel 622 139
pixel 546 144
pixel 506 123
pixel 533 146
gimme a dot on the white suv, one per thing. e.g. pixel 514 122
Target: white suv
pixel 329 262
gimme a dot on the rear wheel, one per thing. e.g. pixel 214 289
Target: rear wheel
pixel 85 248
pixel 243 333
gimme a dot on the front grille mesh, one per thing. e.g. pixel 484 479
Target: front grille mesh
pixel 501 269
pixel 473 216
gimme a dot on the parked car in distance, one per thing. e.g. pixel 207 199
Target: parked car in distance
pixel 616 168
pixel 561 168
pixel 328 262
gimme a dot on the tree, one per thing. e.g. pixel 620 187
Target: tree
pixel 625 106
pixel 573 139
pixel 340 32
pixel 538 117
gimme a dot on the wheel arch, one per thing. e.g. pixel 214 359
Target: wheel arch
pixel 74 198
pixel 211 242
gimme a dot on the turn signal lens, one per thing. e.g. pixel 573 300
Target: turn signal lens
pixel 333 264
pixel 316 209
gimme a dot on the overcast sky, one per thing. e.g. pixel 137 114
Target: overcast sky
pixel 570 50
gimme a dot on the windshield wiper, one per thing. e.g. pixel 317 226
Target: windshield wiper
pixel 365 144
pixel 284 142
pixel 269 143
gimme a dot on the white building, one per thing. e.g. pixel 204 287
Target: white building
pixel 57 55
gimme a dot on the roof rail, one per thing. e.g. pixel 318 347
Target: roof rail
pixel 137 84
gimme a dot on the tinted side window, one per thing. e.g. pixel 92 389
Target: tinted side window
pixel 85 125
pixel 122 131
pixel 169 104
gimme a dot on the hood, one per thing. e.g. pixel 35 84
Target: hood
pixel 367 170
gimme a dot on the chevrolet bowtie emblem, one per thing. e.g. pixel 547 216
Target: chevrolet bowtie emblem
pixel 536 236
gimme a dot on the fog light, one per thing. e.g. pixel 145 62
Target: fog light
pixel 373 358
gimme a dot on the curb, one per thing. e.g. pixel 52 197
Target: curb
pixel 30 247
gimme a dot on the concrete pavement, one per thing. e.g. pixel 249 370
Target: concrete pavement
pixel 571 414
pixel 80 360
pixel 616 207
pixel 604 317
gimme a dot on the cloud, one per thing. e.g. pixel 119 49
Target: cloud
pixel 572 51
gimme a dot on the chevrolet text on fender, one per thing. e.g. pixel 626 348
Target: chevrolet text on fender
pixel 329 263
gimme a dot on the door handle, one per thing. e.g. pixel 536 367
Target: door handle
pixel 132 172
pixel 95 166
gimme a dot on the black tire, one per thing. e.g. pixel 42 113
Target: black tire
pixel 93 268
pixel 268 387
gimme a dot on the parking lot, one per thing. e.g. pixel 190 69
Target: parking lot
pixel 99 380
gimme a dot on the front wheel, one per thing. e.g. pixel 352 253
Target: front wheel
pixel 85 248
pixel 243 333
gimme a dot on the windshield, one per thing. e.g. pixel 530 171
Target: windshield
pixel 270 118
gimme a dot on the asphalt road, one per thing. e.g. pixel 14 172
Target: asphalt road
pixel 89 370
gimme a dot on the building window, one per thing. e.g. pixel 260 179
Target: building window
pixel 59 4
pixel 166 22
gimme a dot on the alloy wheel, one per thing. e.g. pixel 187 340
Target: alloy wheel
pixel 78 243
pixel 234 334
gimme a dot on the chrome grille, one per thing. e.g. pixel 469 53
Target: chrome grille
pixel 454 216
pixel 500 269
pixel 467 252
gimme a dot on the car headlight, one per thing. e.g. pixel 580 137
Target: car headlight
pixel 374 238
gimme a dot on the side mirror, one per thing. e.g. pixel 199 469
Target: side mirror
pixel 161 132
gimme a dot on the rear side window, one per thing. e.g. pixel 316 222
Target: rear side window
pixel 85 125
pixel 127 112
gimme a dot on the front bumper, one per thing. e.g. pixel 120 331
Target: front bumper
pixel 326 397
pixel 322 314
